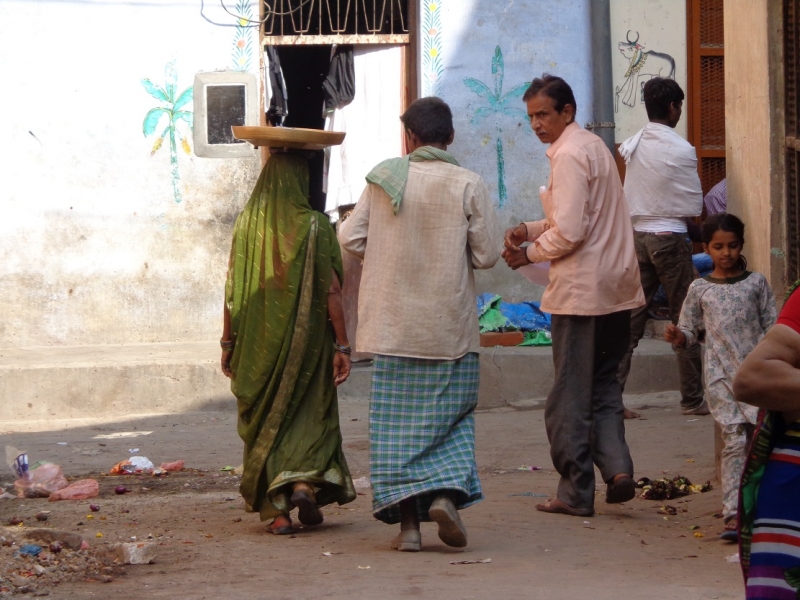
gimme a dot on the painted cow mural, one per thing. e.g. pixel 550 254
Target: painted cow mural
pixel 643 65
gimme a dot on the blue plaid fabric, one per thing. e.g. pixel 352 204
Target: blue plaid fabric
pixel 422 432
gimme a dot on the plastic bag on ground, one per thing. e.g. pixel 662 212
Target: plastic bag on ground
pixel 135 464
pixel 77 490
pixel 41 482
pixel 17 460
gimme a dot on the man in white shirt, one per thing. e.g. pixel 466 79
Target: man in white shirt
pixel 663 189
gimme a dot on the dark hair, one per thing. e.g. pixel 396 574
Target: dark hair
pixel 552 87
pixel 658 94
pixel 430 119
pixel 725 222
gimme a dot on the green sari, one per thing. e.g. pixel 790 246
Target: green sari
pixel 282 257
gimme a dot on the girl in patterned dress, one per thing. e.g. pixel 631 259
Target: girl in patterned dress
pixel 734 307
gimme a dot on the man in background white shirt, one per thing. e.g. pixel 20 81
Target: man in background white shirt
pixel 663 189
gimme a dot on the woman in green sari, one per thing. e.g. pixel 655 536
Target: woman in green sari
pixel 282 309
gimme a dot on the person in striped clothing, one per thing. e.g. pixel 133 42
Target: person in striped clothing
pixel 769 505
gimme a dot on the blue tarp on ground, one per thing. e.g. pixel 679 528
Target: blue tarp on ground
pixel 496 315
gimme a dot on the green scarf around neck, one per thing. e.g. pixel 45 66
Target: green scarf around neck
pixel 392 174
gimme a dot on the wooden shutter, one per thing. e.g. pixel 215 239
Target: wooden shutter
pixel 706 89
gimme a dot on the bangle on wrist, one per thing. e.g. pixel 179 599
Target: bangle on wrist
pixel 343 349
pixel 227 344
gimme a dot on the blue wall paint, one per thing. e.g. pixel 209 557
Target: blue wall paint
pixel 535 36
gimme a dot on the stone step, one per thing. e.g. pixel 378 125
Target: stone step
pixel 116 380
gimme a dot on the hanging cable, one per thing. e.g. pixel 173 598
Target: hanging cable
pixel 270 13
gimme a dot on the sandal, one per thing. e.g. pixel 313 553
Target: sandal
pixel 556 506
pixel 307 510
pixel 731 531
pixel 281 525
pixel 451 529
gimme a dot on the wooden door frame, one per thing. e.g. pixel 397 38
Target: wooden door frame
pixel 410 65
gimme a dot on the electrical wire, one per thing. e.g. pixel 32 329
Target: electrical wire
pixel 270 13
pixel 202 14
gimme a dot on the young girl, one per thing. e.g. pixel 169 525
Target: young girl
pixel 734 307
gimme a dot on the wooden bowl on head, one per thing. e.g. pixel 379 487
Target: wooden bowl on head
pixel 288 137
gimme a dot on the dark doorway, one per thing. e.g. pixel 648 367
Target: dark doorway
pixel 304 70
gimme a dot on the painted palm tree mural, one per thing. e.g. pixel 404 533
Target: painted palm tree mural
pixel 498 105
pixel 171 105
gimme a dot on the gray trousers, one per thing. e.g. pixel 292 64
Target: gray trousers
pixel 583 414
pixel 666 259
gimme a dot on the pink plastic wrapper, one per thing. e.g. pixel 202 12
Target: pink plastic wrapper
pixel 172 466
pixel 77 490
pixel 40 482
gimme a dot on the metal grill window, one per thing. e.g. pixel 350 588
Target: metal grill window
pixel 712 171
pixel 336 22
pixel 791 20
pixel 706 97
pixel 712 102
pixel 712 30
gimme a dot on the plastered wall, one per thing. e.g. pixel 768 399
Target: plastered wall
pixel 754 132
pixel 479 56
pixel 112 230
pixel 648 39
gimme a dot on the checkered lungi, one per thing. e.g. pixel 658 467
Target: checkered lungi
pixel 422 432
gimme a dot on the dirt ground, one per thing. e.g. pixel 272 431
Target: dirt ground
pixel 208 547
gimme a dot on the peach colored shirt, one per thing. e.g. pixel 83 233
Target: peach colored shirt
pixel 586 233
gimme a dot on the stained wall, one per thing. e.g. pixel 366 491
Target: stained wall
pixel 754 132
pixel 109 236
pixel 112 230
pixel 648 39
pixel 480 56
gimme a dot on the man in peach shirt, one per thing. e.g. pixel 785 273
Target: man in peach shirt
pixel 594 283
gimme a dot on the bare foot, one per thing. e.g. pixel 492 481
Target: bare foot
pixel 629 414
pixel 555 505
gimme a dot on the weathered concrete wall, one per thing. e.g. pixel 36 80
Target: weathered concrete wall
pixel 754 131
pixel 478 55
pixel 100 241
pixel 648 37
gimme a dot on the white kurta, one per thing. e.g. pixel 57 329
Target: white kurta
pixel 417 292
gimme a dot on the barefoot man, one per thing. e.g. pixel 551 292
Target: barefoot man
pixel 594 283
